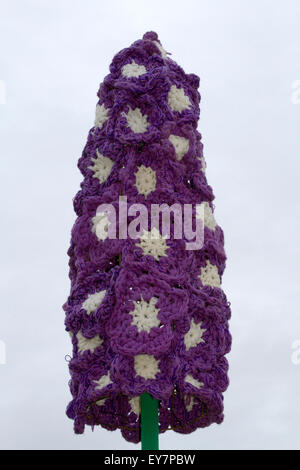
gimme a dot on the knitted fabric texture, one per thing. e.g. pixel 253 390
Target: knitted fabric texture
pixel 145 315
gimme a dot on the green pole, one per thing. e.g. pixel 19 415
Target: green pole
pixel 149 422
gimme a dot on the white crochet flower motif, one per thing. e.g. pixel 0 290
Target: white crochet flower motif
pixel 102 167
pixel 203 163
pixel 136 120
pixel 101 402
pixel 100 226
pixel 144 315
pixel 189 402
pixel 190 379
pixel 93 301
pixel 145 180
pixel 135 404
pixel 86 344
pixel 146 366
pixel 101 115
pixel 177 99
pixel 194 336
pixel 161 49
pixel 204 212
pixel 181 145
pixel 153 243
pixel 103 382
pixel 209 275
pixel 133 70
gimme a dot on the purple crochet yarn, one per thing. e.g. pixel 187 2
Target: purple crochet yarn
pixel 144 319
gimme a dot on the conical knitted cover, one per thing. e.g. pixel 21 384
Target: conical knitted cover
pixel 145 314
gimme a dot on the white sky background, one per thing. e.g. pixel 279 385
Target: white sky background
pixel 53 55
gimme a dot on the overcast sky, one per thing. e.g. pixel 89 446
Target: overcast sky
pixel 54 54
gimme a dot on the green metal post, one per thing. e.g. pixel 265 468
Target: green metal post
pixel 149 422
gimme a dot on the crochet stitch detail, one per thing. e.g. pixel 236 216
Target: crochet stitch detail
pixel 209 275
pixel 161 49
pixel 145 314
pixel 177 99
pixel 145 180
pixel 181 145
pixel 189 402
pixel 133 70
pixel 135 404
pixel 86 344
pixel 101 115
pixel 194 336
pixel 101 167
pixel 136 121
pixel 203 164
pixel 208 219
pixel 102 382
pixel 146 366
pixel 191 380
pixel 153 243
pixel 100 226
pixel 93 301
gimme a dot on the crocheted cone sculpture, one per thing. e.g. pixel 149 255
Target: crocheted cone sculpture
pixel 145 314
